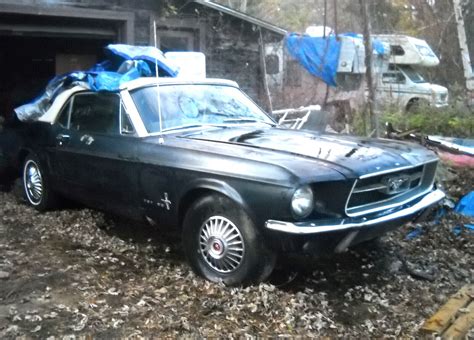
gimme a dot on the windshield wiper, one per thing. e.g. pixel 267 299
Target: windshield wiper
pixel 191 126
pixel 246 120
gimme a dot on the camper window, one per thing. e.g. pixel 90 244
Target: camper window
pixel 393 78
pixel 397 50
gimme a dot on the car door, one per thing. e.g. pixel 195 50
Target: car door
pixel 94 158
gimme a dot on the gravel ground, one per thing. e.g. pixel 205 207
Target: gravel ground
pixel 79 272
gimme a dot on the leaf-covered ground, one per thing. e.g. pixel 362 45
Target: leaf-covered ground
pixel 79 272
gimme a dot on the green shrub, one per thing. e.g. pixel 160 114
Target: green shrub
pixel 452 121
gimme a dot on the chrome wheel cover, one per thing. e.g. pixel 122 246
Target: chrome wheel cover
pixel 221 244
pixel 33 182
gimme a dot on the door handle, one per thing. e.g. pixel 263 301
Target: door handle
pixel 62 138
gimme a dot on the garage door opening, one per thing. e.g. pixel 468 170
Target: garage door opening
pixel 27 63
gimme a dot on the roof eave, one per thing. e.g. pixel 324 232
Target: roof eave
pixel 242 16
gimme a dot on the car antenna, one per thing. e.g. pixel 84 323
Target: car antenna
pixel 158 99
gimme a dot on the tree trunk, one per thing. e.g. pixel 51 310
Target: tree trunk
pixel 466 61
pixel 368 63
pixel 243 6
pixel 263 68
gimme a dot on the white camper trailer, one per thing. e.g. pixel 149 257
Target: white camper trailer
pixel 402 84
pixel 406 50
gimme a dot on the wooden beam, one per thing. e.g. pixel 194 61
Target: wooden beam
pixel 462 325
pixel 445 316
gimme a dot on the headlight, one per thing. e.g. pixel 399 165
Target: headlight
pixel 302 202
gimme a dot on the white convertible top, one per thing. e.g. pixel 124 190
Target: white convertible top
pixel 150 81
pixel 53 112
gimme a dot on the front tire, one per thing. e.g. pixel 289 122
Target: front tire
pixel 36 187
pixel 222 243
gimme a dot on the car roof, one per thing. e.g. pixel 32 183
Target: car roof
pixel 52 113
pixel 149 81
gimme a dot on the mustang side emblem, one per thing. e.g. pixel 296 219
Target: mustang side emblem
pixel 396 185
pixel 165 202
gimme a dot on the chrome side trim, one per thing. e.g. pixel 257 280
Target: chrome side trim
pixel 133 114
pixel 315 227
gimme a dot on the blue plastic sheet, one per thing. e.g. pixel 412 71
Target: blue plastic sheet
pixel 149 54
pixel 414 233
pixel 38 106
pixel 465 206
pixel 320 56
pixel 125 63
pixel 468 228
pixel 111 81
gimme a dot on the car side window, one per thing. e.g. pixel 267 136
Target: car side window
pixel 63 117
pixel 95 112
pixel 126 126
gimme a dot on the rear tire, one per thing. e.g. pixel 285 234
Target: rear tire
pixel 416 105
pixel 36 188
pixel 222 243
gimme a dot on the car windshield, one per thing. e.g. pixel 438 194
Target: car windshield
pixel 415 76
pixel 192 105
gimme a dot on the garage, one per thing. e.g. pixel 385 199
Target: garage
pixel 38 44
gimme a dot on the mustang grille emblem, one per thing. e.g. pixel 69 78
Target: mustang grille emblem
pixel 396 184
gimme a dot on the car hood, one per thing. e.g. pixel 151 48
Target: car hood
pixel 351 156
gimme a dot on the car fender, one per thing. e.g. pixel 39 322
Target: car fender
pixel 202 185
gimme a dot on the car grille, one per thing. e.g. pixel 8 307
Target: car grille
pixel 384 191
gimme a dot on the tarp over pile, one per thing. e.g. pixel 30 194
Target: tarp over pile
pixel 320 55
pixel 124 63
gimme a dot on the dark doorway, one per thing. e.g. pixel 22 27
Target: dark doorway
pixel 27 63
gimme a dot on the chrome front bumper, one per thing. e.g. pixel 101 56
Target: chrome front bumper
pixel 315 227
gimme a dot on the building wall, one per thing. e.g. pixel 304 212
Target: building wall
pixel 233 51
pixel 231 45
pixel 140 10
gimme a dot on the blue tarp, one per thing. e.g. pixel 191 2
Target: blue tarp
pixel 125 63
pixel 320 56
pixel 466 205
pixel 111 81
pixel 149 54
